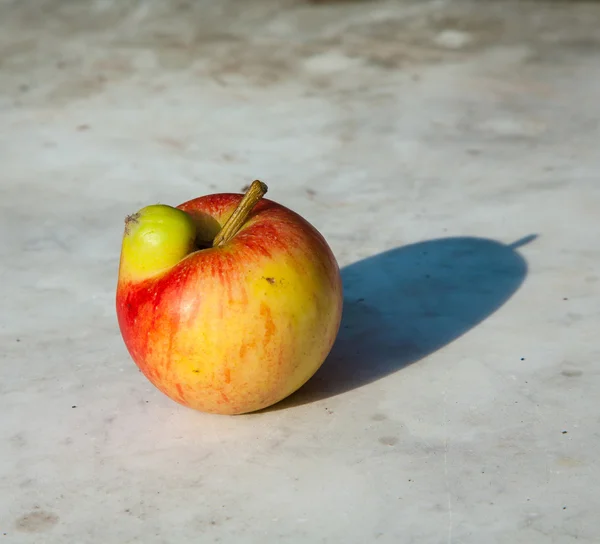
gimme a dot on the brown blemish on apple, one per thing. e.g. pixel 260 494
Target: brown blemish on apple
pixel 133 218
pixel 227 375
pixel 270 280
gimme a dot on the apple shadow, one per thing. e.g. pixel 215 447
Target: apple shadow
pixel 403 304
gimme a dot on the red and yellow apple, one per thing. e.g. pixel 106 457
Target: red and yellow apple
pixel 227 312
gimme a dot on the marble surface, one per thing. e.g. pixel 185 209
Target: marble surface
pixel 447 150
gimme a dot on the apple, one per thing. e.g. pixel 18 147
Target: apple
pixel 227 303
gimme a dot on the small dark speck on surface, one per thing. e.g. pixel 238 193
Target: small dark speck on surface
pixel 18 339
pixel 311 192
pixel 564 432
pixel 82 128
pixel 74 406
pixel 522 358
pixel 565 298
pixel 360 300
pixel 388 440
pixel 271 280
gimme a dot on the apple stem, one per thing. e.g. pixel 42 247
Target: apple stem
pixel 254 193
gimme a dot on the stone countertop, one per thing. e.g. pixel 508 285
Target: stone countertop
pixel 448 151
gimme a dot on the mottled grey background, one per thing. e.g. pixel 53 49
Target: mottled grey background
pixel 430 142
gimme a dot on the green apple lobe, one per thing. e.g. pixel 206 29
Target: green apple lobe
pixel 156 238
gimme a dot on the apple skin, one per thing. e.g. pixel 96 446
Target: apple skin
pixel 236 328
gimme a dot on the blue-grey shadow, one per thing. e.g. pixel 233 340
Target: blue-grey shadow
pixel 403 304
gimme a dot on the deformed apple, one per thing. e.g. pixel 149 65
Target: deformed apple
pixel 227 303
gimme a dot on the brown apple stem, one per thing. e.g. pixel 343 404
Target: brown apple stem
pixel 254 193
